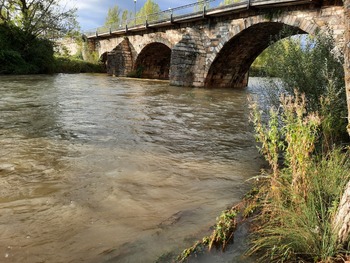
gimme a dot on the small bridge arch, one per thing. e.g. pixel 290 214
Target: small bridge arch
pixel 153 61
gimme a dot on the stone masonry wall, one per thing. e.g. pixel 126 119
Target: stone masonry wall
pixel 119 60
pixel 219 51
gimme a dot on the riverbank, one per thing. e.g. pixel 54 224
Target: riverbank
pixel 299 207
pixel 68 64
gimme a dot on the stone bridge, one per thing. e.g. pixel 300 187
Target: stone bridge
pixel 214 47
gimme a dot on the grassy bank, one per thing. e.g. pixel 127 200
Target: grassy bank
pixel 75 65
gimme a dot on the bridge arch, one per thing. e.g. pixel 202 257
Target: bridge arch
pixel 229 66
pixel 153 61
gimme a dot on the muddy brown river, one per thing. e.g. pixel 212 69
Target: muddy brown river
pixel 101 169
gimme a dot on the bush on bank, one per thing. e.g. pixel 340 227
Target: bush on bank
pixel 21 53
pixel 298 200
pixel 63 64
pixel 313 66
pixel 295 205
pixel 303 141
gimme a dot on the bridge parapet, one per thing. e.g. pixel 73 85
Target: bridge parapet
pixel 188 13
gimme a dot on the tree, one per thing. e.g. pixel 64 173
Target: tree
pixel 228 2
pixel 342 219
pixel 113 16
pixel 150 7
pixel 347 54
pixel 38 17
pixel 309 65
pixel 200 5
pixel 125 17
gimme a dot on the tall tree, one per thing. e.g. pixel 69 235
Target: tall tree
pixel 347 54
pixel 113 16
pixel 125 15
pixel 38 17
pixel 201 4
pixel 150 7
pixel 228 2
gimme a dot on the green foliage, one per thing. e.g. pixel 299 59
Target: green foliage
pixel 229 2
pixel 150 7
pixel 22 54
pixel 125 15
pixel 306 64
pixel 9 61
pixel 299 132
pixel 268 135
pixel 73 65
pixel 38 18
pixel 295 222
pixel 222 234
pixel 19 56
pixel 40 54
pixel 113 16
pixel 200 6
pixel 224 228
pixel 197 248
pixel 311 66
pixel 137 73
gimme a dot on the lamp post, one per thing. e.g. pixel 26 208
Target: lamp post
pixel 135 10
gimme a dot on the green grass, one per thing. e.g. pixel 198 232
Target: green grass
pixel 74 65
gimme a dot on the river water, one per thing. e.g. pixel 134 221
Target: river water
pixel 101 169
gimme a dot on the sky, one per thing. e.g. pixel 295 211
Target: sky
pixel 92 13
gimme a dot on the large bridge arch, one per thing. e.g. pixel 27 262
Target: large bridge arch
pixel 228 67
pixel 153 61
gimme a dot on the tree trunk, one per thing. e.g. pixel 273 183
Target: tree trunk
pixel 341 223
pixel 347 55
pixel 342 219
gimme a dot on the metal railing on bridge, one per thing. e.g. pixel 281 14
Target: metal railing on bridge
pixel 160 17
pixel 181 13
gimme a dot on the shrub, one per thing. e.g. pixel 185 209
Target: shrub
pixel 22 53
pixel 72 65
pixel 312 67
pixel 300 198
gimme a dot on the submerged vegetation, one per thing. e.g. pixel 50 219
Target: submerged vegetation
pixel 222 234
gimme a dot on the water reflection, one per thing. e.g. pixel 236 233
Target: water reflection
pixel 99 169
